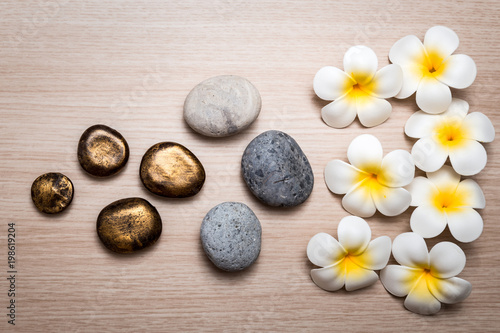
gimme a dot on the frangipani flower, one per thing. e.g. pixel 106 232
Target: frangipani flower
pixel 430 68
pixel 371 182
pixel 359 89
pixel 443 199
pixel 350 261
pixel 453 133
pixel 427 279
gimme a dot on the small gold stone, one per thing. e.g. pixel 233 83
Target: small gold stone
pixel 102 151
pixel 171 170
pixel 52 192
pixel 129 225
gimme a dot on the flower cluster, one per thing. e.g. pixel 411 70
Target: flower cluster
pixel 373 182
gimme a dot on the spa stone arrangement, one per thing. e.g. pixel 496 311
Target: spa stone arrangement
pixel 274 167
pixel 278 173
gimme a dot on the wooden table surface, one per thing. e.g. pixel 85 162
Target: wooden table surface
pixel 66 65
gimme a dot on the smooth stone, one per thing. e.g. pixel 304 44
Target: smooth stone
pixel 129 225
pixel 276 170
pixel 52 192
pixel 222 106
pixel 102 151
pixel 171 170
pixel 231 236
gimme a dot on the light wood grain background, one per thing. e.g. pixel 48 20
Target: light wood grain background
pixel 66 65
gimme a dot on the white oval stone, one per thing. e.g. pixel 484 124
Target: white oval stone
pixel 222 106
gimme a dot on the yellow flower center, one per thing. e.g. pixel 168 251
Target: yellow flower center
pixel 358 94
pixel 432 65
pixel 423 283
pixel 371 182
pixel 423 280
pixel 357 90
pixel 368 181
pixel 450 133
pixel 352 265
pixel 359 87
pixel 449 199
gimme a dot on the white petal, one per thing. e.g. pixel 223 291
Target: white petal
pixel 365 153
pixel 458 71
pixel 407 51
pixel 358 278
pixel 441 40
pixel 358 201
pixel 420 125
pixel 450 291
pixel 340 176
pixel 376 255
pixel 412 75
pixel 427 221
pixel 422 191
pixel 397 169
pixel 399 280
pixel 446 260
pixel 330 278
pixel 433 96
pixel 471 193
pixel 373 111
pixel 361 63
pixel 444 178
pixel 324 250
pixel 339 113
pixel 387 82
pixel 465 224
pixel 331 83
pixel 457 110
pixel 428 155
pixel 479 127
pixel 391 201
pixel 354 234
pixel 420 300
pixel 470 159
pixel 409 249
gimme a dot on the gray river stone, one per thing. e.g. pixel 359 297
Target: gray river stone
pixel 276 170
pixel 231 236
pixel 222 106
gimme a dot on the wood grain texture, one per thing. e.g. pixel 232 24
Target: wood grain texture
pixel 66 65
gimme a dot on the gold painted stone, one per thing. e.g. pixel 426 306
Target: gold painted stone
pixel 102 151
pixel 52 192
pixel 171 170
pixel 129 225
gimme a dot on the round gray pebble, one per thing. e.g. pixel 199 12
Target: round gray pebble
pixel 276 170
pixel 222 105
pixel 231 236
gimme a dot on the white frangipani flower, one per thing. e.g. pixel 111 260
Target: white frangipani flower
pixel 371 182
pixel 359 89
pixel 427 279
pixel 442 199
pixel 453 133
pixel 351 260
pixel 431 68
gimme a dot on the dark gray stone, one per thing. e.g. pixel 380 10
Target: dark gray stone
pixel 231 236
pixel 276 170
